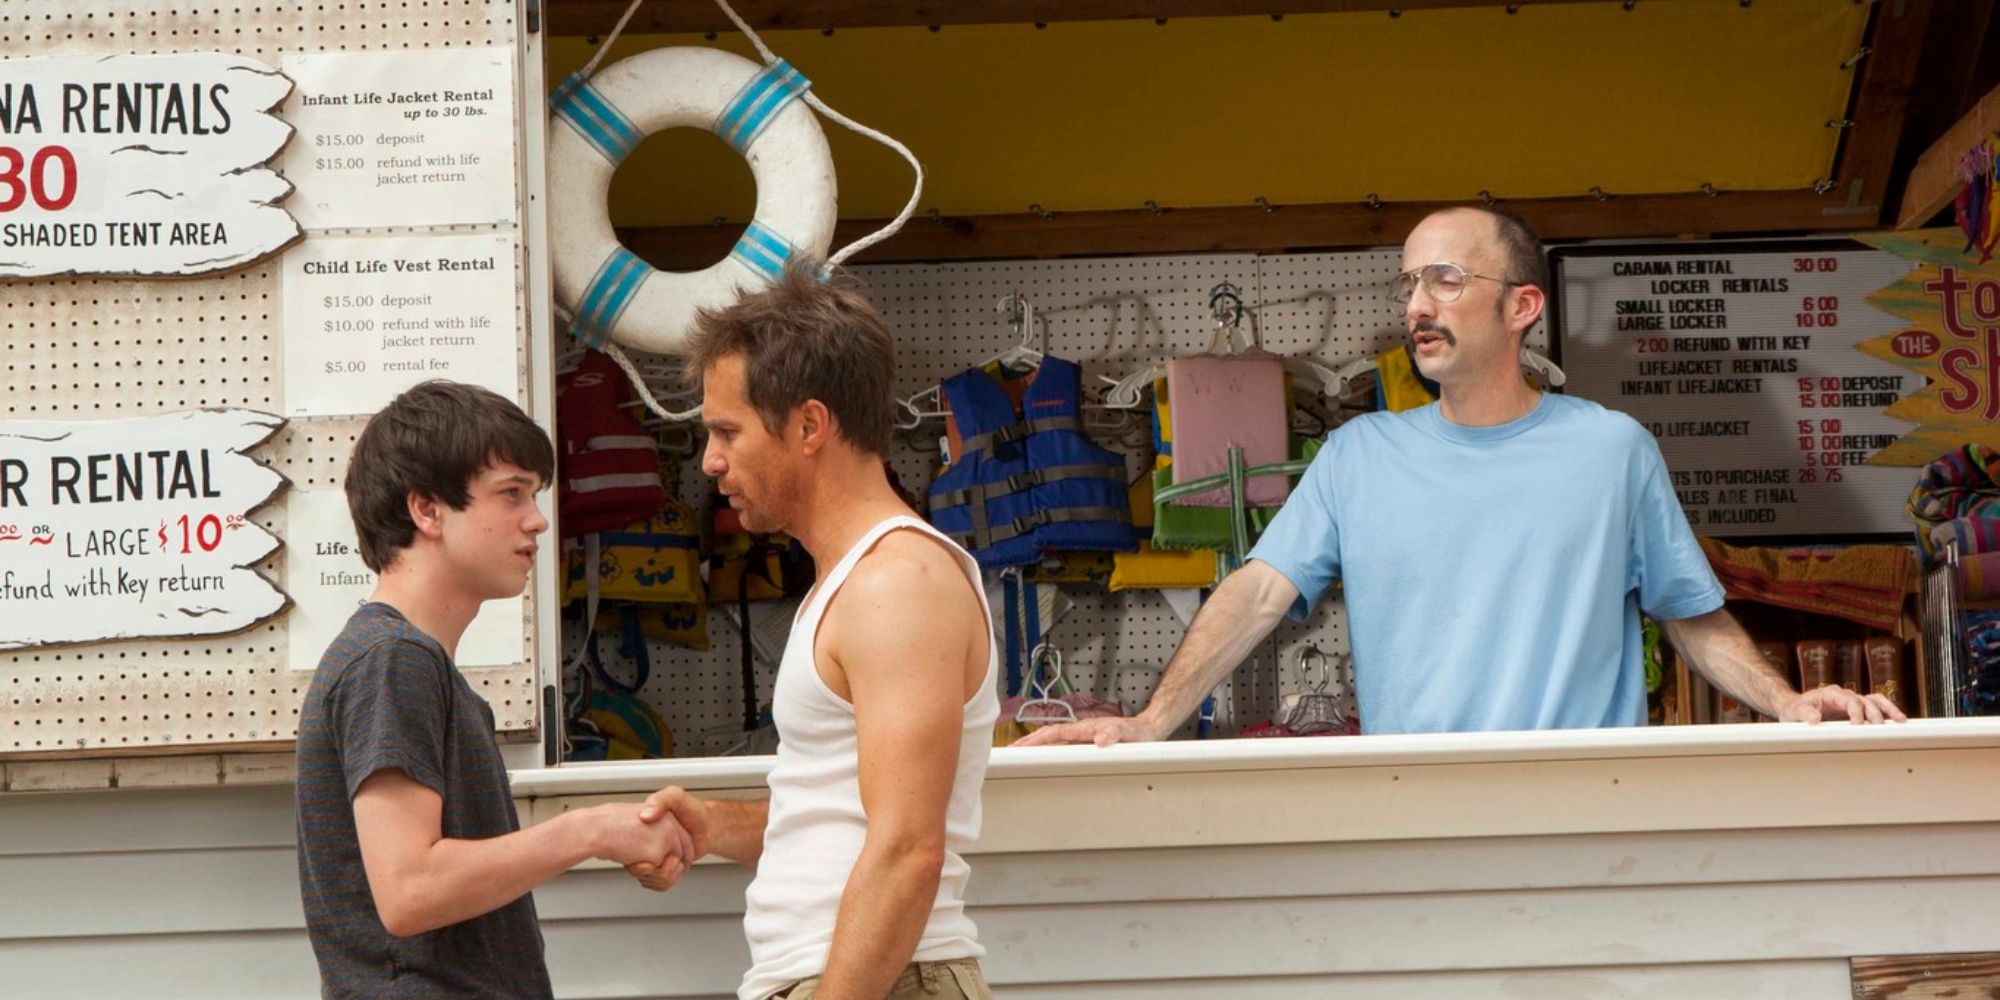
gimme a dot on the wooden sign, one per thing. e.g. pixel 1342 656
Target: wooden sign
pixel 1741 358
pixel 1949 308
pixel 140 164
pixel 130 529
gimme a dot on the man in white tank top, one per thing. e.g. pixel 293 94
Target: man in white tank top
pixel 885 700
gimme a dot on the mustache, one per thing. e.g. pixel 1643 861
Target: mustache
pixel 1433 326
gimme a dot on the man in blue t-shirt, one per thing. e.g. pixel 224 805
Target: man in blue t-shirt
pixel 1495 548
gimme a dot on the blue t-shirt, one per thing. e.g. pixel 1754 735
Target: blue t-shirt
pixel 1493 575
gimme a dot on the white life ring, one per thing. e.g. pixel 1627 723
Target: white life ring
pixel 596 122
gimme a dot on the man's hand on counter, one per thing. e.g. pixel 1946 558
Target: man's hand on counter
pixel 1833 702
pixel 1103 732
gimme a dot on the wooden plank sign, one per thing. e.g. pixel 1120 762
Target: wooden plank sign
pixel 140 164
pixel 129 529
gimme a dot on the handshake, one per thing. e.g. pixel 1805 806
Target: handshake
pixel 655 840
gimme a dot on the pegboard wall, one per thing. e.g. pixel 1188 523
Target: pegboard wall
pixel 91 348
pixel 1111 315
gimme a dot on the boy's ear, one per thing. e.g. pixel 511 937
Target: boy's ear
pixel 427 513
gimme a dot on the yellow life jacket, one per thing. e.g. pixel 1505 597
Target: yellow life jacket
pixel 657 560
pixel 1398 384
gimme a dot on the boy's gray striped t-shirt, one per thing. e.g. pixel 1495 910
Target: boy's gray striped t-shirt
pixel 386 696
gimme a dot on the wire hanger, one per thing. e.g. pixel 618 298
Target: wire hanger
pixel 1550 375
pixel 928 403
pixel 1034 344
pixel 1045 682
pixel 1316 712
pixel 1225 304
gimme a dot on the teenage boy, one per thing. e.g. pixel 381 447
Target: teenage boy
pixel 413 866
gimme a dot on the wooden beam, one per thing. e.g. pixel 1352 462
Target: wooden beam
pixel 659 17
pixel 1925 977
pixel 1934 182
pixel 1867 157
pixel 1286 227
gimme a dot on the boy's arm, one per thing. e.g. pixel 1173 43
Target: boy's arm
pixel 422 881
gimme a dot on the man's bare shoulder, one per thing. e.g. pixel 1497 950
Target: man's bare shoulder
pixel 907 598
pixel 911 568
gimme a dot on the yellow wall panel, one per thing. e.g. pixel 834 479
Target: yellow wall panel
pixel 1216 111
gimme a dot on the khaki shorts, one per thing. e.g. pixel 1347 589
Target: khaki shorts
pixel 955 980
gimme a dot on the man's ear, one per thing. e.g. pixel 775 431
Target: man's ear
pixel 427 513
pixel 815 424
pixel 1525 306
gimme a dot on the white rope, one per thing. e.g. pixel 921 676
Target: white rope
pixel 638 380
pixel 646 394
pixel 813 101
pixel 591 66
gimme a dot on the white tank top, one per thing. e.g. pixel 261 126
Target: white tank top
pixel 816 827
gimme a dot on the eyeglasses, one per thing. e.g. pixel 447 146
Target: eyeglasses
pixel 1442 281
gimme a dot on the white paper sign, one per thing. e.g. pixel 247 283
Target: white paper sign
pixel 139 164
pixel 367 317
pixel 327 581
pixel 402 138
pixel 128 529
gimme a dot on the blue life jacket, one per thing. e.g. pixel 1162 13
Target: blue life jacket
pixel 1029 479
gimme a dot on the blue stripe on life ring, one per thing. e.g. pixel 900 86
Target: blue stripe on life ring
pixel 752 109
pixel 594 117
pixel 763 251
pixel 611 289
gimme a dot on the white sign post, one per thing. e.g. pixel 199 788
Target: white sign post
pixel 131 529
pixel 139 164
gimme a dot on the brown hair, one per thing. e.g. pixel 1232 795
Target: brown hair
pixel 431 441
pixel 1519 247
pixel 804 338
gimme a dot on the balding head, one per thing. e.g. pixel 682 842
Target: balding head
pixel 1502 240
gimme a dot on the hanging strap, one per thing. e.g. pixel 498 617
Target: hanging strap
pixel 592 557
pixel 1031 607
pixel 1015 432
pixel 1022 525
pixel 981 492
pixel 974 498
pixel 748 661
pixel 1010 599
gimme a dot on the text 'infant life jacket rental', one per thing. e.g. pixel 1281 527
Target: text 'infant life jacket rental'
pixel 1028 478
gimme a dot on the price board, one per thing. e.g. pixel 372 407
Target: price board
pixel 1743 361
